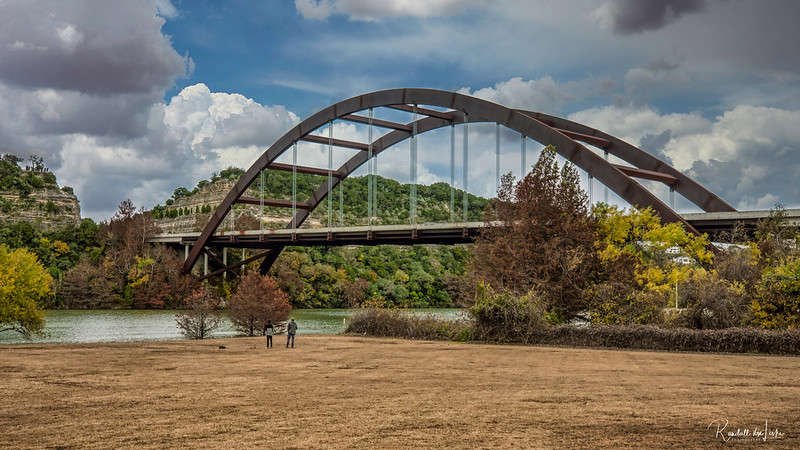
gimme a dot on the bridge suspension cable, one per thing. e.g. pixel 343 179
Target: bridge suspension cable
pixel 453 173
pixel 465 167
pixel 497 157
pixel 330 174
pixel 294 189
pixel 413 193
pixel 261 202
pixel 371 174
pixel 605 194
pixel 524 167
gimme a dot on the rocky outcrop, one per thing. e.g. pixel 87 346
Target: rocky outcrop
pixel 194 210
pixel 50 208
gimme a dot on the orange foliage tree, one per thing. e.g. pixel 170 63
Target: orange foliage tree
pixel 257 299
pixel 539 235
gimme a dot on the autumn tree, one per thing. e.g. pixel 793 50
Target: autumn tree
pixel 23 284
pixel 125 237
pixel 256 300
pixel 286 271
pixel 354 292
pixel 539 235
pixel 777 300
pixel 637 274
pixel 87 286
pixel 776 237
pixel 143 275
pixel 202 317
pixel 156 280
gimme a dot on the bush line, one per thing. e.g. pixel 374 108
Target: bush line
pixel 395 323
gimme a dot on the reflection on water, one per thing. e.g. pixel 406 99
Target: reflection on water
pixel 152 325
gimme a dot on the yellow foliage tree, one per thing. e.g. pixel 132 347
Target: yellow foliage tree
pixel 635 242
pixel 23 282
pixel 60 248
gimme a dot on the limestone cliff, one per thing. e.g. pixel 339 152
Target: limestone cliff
pixel 50 208
pixel 191 213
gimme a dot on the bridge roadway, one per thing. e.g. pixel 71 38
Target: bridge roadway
pixel 427 233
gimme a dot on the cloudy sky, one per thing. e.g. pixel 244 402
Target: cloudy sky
pixel 131 99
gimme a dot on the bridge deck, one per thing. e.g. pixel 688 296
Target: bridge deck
pixel 719 221
pixel 447 233
pixel 436 233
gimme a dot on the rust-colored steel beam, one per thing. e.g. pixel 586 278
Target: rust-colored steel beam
pixel 647 174
pixel 272 202
pixel 303 169
pixel 688 188
pixel 378 122
pixel 336 142
pixel 592 140
pixel 425 111
pixel 233 266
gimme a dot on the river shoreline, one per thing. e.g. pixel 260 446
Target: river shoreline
pixel 131 325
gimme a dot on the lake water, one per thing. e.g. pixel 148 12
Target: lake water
pixel 159 325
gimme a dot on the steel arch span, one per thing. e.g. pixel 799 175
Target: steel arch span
pixel 569 139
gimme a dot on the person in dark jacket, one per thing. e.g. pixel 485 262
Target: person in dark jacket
pixel 290 332
pixel 269 330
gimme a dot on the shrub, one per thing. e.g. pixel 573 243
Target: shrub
pixel 712 302
pixel 777 299
pixel 619 304
pixel 202 318
pixel 392 322
pixel 739 265
pixel 648 337
pixel 504 317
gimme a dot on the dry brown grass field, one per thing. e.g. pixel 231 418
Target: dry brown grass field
pixel 357 392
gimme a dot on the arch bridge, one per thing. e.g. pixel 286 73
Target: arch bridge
pixel 428 110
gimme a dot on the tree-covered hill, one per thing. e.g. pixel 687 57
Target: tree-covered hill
pixel 349 201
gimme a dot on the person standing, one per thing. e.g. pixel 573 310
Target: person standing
pixel 290 332
pixel 268 330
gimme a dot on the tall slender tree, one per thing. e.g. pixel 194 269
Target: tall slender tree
pixel 539 234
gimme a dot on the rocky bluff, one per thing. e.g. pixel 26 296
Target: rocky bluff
pixel 46 205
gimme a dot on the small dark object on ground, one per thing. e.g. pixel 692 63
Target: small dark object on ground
pixel 222 346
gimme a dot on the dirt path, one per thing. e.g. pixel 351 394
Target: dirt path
pixel 342 391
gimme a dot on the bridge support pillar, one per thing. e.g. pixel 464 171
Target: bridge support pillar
pixel 205 264
pixel 225 262
pixel 672 198
pixel 523 166
pixel 186 252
